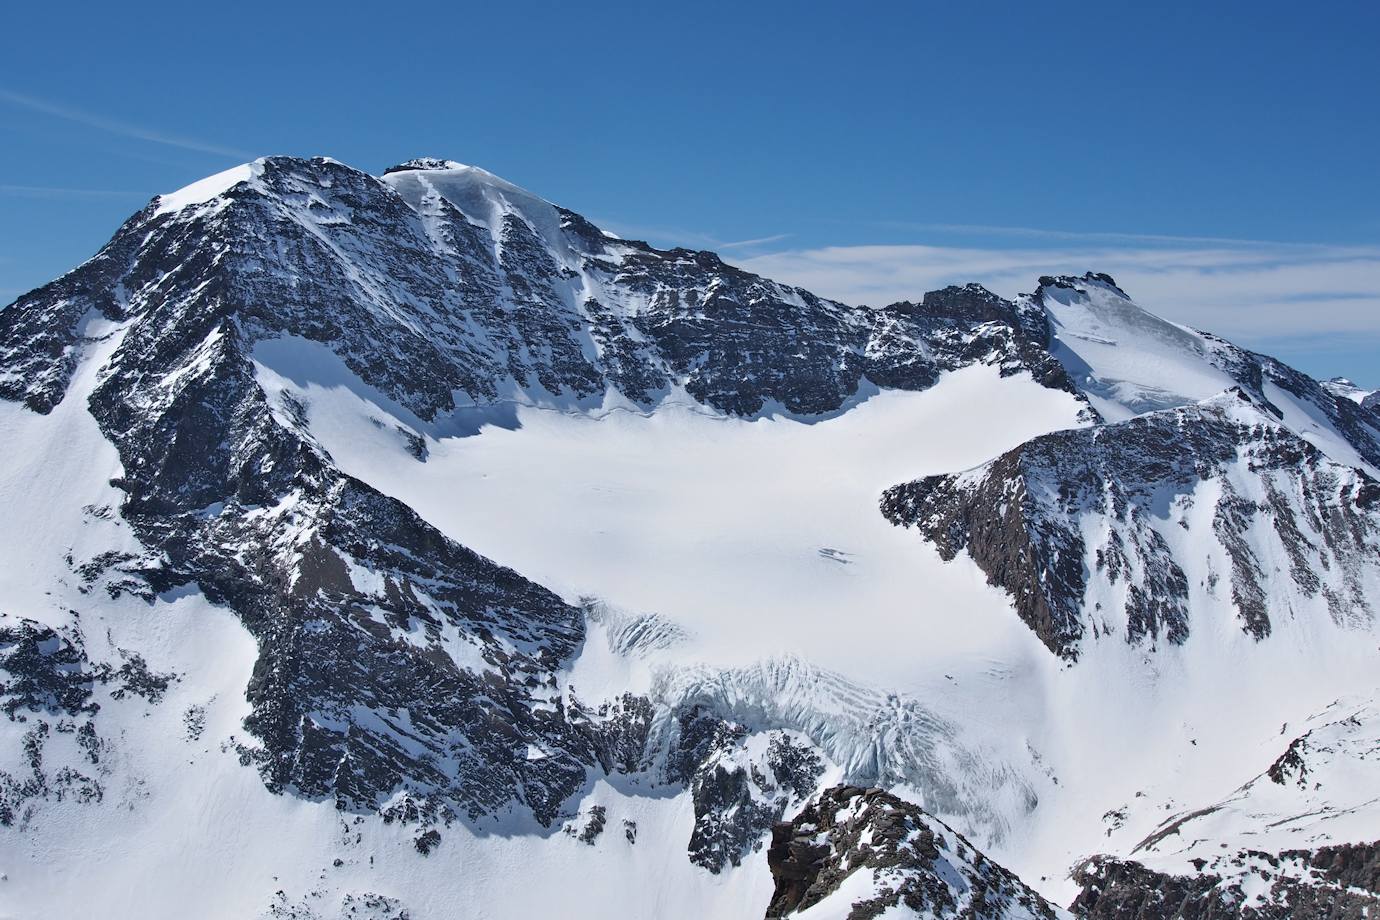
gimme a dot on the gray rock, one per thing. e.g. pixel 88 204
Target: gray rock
pixel 917 863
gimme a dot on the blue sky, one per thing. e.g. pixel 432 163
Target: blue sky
pixel 1219 159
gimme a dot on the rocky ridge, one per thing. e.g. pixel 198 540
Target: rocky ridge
pixel 444 287
pixel 1093 530
pixel 1328 883
pixel 863 853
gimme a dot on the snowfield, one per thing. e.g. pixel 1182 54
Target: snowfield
pixel 756 535
pixel 761 540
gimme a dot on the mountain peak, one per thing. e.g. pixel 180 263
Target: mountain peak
pixel 203 190
pixel 477 193
pixel 1080 283
pixel 425 163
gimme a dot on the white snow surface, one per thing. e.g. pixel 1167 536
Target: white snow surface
pixel 1344 388
pixel 56 469
pixel 208 189
pixel 778 589
pixel 183 829
pixel 759 535
pixel 479 194
pixel 1128 361
pixel 1125 358
pixel 760 541
pixel 1329 793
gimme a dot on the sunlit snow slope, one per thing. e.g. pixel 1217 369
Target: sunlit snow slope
pixel 760 536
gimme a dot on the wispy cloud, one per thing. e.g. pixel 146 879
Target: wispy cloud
pixel 760 241
pixel 51 191
pixel 1100 236
pixel 1252 292
pixel 679 236
pixel 121 128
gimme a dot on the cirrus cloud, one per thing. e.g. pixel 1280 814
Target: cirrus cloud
pixel 1255 292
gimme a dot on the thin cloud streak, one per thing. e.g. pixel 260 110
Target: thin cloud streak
pixel 118 127
pixel 1098 235
pixel 671 237
pixel 760 241
pixel 50 191
pixel 1252 294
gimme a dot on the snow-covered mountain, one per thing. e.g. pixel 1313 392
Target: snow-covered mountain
pixel 377 545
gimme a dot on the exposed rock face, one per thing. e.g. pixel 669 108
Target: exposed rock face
pixel 350 906
pixel 362 611
pixel 911 343
pixel 375 633
pixel 46 683
pixel 740 786
pixel 1329 883
pixel 1107 529
pixel 44 672
pixel 439 278
pixel 910 864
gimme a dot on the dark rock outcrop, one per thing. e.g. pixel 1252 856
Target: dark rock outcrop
pixel 915 862
pixel 421 299
pixel 737 797
pixel 48 684
pixel 1026 517
pixel 1329 883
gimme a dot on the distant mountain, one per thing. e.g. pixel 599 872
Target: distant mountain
pixel 1093 530
pixel 307 469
